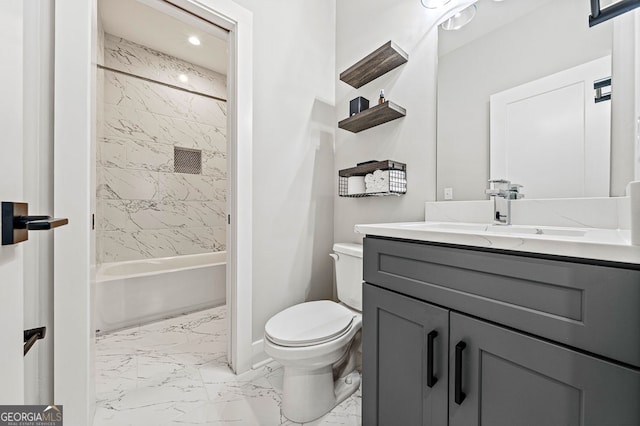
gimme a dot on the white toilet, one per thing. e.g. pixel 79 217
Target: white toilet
pixel 317 343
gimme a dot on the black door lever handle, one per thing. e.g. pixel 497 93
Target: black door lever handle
pixel 16 222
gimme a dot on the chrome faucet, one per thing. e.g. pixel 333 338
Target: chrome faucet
pixel 502 191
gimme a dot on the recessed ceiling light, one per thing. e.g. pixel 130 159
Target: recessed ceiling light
pixel 183 78
pixel 194 40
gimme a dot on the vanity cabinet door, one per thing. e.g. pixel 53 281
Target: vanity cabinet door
pixel 511 379
pixel 404 360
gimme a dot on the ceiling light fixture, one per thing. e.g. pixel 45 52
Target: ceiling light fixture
pixel 434 4
pixel 194 40
pixel 460 19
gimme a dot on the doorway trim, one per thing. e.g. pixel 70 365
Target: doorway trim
pixel 239 166
pixel 74 193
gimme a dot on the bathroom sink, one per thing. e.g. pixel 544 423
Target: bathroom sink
pixel 497 229
pixel 536 230
pixel 445 226
pixel 593 243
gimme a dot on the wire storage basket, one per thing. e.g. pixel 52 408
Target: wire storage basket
pixel 373 179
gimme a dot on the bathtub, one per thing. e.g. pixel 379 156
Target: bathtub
pixel 139 291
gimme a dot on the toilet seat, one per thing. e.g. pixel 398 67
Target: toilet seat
pixel 308 324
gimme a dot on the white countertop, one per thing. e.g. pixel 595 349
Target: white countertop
pixel 589 243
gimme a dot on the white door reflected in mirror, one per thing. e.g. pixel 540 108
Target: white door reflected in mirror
pixel 551 136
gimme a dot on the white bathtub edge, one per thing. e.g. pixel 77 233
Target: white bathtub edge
pixel 101 277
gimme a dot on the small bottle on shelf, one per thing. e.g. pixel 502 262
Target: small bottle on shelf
pixel 381 100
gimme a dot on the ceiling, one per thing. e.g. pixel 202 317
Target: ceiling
pixel 166 32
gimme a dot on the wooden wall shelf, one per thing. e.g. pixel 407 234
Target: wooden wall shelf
pixel 370 167
pixel 372 117
pixel 397 181
pixel 375 64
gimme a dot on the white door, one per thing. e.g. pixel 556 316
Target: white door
pixel 11 189
pixel 550 136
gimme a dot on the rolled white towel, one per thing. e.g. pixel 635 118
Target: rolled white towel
pixel 355 185
pixel 368 178
pixel 374 187
pixel 379 188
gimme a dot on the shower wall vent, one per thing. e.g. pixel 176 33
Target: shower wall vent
pixel 187 160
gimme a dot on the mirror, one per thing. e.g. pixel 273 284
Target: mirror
pixel 508 44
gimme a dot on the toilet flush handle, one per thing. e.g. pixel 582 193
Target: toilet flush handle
pixel 334 256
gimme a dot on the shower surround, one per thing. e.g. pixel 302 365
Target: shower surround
pixel 145 209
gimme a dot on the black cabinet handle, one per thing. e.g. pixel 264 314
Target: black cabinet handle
pixel 431 379
pixel 458 394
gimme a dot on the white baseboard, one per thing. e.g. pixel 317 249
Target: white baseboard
pixel 259 357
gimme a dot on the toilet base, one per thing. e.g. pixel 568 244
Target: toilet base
pixel 308 395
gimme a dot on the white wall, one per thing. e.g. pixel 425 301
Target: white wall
pixel 363 26
pixel 292 153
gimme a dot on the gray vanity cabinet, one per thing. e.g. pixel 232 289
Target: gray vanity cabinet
pixel 512 379
pixel 492 368
pixel 404 360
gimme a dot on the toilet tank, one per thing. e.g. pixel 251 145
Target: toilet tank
pixel 348 261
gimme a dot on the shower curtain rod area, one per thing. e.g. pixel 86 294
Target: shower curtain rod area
pixel 193 92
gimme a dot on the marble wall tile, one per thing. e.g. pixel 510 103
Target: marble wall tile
pixel 130 92
pixel 100 96
pixel 126 184
pixel 144 209
pixel 133 58
pixel 149 153
pixel 145 214
pixel 214 164
pixel 209 111
pixel 219 237
pixel 186 187
pixel 111 152
pixel 129 123
pixel 149 156
pixel 115 89
pixel 190 134
pixel 118 246
pixel 111 215
pixel 127 245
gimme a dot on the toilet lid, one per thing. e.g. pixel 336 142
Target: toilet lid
pixel 309 323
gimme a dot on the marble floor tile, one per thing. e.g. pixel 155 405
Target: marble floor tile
pixel 174 372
